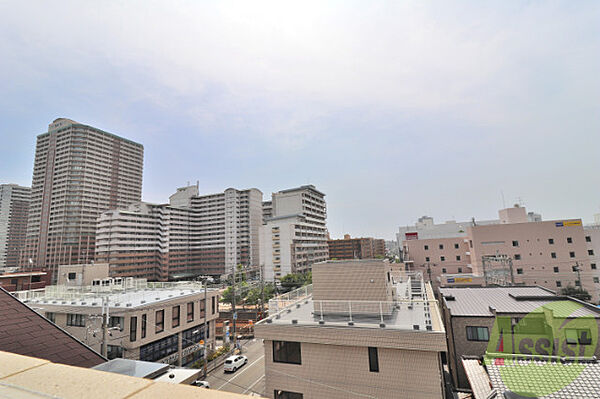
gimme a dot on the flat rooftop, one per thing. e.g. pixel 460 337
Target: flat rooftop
pixel 476 301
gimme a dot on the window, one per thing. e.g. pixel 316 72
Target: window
pixel 553 255
pixel 36 279
pixel 558 284
pixel 373 360
pixel 159 349
pixel 555 269
pixel 427 259
pixel 213 305
pixel 72 276
pixel 596 280
pixel 577 283
pixel 517 257
pixel 470 243
pixel 144 320
pixel 75 320
pixel 593 265
pixel 456 246
pixel 426 247
pixel 287 352
pixel 133 329
pixel 515 243
pixel 477 334
pixel 160 321
pixel 202 308
pixel 590 252
pixel 190 311
pixel 572 254
pixel 551 241
pixel 569 240
pixel 441 246
pixel 588 239
pixel 287 395
pixel 51 316
pixel 175 316
pixel 580 336
pixel 460 269
pixel 114 351
pixel 457 257
pixel 443 270
pixel 519 271
pixel 442 258
pixel 116 321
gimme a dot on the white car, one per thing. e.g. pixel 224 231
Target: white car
pixel 202 384
pixel 232 363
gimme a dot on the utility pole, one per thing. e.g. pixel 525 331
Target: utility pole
pixel 233 314
pixel 105 327
pixel 262 291
pixel 205 327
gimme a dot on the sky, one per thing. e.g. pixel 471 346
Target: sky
pixel 393 109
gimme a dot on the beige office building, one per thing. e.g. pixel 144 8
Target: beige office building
pixel 14 209
pixel 367 330
pixel 294 232
pixel 79 172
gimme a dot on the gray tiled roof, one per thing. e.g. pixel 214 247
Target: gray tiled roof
pixel 477 301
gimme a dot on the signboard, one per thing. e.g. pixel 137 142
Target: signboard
pixel 568 223
pixel 411 236
pixel 463 279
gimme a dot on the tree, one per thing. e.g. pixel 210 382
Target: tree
pixel 296 280
pixel 576 292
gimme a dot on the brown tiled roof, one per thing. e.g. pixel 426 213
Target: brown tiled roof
pixel 25 332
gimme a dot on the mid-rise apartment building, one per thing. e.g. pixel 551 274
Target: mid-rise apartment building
pixel 552 254
pixel 367 330
pixel 356 248
pixel 294 237
pixel 191 235
pixel 79 172
pixel 154 322
pixel 14 209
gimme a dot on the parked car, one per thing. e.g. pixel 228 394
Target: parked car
pixel 232 363
pixel 201 384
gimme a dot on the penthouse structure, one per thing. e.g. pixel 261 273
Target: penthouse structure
pixel 79 172
pixel 552 254
pixel 14 208
pixel 366 330
pixel 356 248
pixel 191 235
pixel 155 322
pixel 294 236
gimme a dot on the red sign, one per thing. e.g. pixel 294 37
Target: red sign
pixel 411 236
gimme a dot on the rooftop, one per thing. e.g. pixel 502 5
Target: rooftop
pixel 482 301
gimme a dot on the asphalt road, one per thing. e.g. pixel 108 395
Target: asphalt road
pixel 250 379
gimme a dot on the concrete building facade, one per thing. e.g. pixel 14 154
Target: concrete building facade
pixel 388 346
pixel 79 172
pixel 14 210
pixel 294 237
pixel 356 248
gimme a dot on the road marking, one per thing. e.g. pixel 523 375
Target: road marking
pixel 253 384
pixel 242 372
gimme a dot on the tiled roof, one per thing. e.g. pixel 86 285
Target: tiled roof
pixel 25 332
pixel 477 301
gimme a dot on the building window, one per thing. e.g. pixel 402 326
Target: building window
pixel 477 334
pixel 190 311
pixel 551 241
pixel 515 243
pixel 460 269
pixel 175 316
pixel 373 360
pixel 144 323
pixel 117 322
pixel 577 283
pixel 578 336
pixel 159 349
pixel 442 258
pixel 427 259
pixel 160 321
pixel 456 246
pixel 593 265
pixel 470 243
pixel 202 308
pixel 457 257
pixel 569 240
pixel 213 305
pixel 591 252
pixel 133 329
pixel 555 269
pixel 75 320
pixel 278 394
pixel 441 246
pixel 51 316
pixel 36 279
pixel 588 239
pixel 558 284
pixel 443 270
pixel 572 254
pixel 553 255
pixel 114 351
pixel 287 352
pixel 519 271
pixel 72 276
pixel 426 247
pixel 517 257
pixel 596 280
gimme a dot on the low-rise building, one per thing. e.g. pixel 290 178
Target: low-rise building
pixel 25 280
pixel 145 321
pixel 367 330
pixel 356 248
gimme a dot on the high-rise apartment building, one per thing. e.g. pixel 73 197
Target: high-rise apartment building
pixel 191 235
pixel 79 172
pixel 295 236
pixel 14 208
pixel 356 248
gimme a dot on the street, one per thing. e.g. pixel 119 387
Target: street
pixel 250 379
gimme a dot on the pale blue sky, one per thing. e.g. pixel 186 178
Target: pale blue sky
pixel 393 109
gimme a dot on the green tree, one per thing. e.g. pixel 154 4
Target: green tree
pixel 576 292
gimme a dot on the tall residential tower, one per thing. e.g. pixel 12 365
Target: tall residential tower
pixel 14 207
